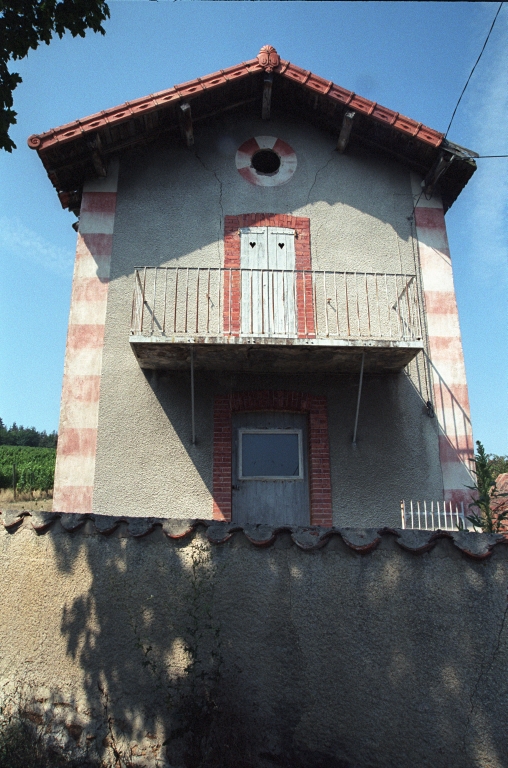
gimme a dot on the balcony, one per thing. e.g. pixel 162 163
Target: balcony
pixel 274 320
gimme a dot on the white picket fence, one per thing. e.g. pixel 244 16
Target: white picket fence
pixel 433 516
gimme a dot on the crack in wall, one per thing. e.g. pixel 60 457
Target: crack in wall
pixel 483 673
pixel 221 217
pixel 319 170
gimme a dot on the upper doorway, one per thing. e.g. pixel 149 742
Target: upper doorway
pixel 267 261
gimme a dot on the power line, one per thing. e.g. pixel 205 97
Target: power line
pixel 476 64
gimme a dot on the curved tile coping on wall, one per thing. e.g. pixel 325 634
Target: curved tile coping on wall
pixel 475 545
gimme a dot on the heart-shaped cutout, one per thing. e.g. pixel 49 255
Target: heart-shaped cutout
pixel 252 245
pixel 281 245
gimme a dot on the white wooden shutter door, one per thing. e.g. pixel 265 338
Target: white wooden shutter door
pixel 281 261
pixel 254 266
pixel 267 262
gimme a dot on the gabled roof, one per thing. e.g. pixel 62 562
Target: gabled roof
pixel 80 150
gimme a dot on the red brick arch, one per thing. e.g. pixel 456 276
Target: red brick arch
pixel 301 225
pixel 273 400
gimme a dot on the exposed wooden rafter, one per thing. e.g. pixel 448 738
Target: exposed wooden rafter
pixel 441 165
pixel 186 123
pixel 95 146
pixel 345 131
pixel 267 96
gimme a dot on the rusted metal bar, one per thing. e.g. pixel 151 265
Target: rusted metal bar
pixel 186 299
pixel 143 301
pixel 357 305
pixel 176 299
pixel 347 305
pixel 378 305
pixel 230 295
pixel 316 316
pixel 336 303
pixel 387 304
pixel 193 417
pixel 251 326
pixel 134 304
pixel 368 303
pixel 197 303
pixel 165 301
pixel 208 300
pixel 398 306
pixel 153 301
pixel 220 308
pixel 304 288
pixel 326 303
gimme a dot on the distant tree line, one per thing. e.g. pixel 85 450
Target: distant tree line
pixel 26 436
pixel 497 464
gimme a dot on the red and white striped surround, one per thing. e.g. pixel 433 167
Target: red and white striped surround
pixel 287 157
pixel 79 410
pixel 451 402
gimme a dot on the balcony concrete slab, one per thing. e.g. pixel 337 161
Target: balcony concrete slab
pixel 273 355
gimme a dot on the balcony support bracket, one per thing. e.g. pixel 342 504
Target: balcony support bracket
pixel 193 417
pixel 359 398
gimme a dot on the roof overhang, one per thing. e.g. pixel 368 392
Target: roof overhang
pixel 78 151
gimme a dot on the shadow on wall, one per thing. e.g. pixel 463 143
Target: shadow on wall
pixel 191 653
pixel 362 180
pixel 395 456
pixel 455 428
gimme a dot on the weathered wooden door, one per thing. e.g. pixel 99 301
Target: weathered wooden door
pixel 267 260
pixel 270 468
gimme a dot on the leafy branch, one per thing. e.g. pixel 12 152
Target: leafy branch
pixel 24 24
pixel 487 518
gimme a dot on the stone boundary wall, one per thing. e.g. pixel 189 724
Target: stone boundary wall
pixel 342 648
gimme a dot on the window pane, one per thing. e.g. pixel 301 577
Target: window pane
pixel 270 455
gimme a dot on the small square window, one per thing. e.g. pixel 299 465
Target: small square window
pixel 270 454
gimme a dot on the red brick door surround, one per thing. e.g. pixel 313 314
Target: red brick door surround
pixel 273 400
pixel 232 280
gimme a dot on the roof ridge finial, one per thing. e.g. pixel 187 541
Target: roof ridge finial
pixel 268 58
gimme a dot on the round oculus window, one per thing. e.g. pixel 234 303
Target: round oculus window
pixel 266 161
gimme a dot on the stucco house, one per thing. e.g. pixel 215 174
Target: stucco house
pixel 263 324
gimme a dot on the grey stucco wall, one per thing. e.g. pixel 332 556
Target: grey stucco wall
pixel 329 657
pixel 170 210
pixel 150 466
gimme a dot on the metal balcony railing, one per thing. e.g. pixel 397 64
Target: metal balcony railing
pixel 214 302
pixel 433 516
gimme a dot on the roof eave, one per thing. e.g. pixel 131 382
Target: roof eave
pixel 73 152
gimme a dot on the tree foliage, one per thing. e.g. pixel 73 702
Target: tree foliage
pixel 26 436
pixel 24 24
pixel 498 464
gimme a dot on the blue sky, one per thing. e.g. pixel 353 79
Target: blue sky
pixel 411 57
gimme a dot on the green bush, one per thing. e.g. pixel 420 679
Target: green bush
pixel 35 467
